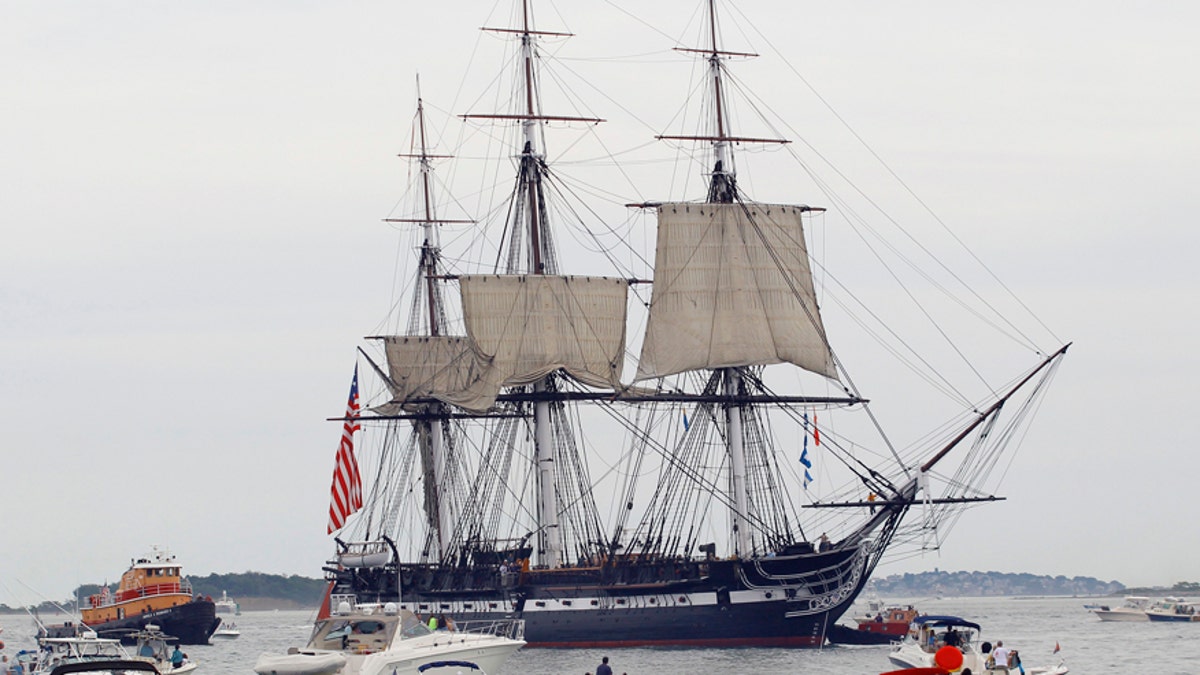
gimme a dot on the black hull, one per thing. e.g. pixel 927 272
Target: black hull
pixel 193 623
pixel 845 635
pixel 784 601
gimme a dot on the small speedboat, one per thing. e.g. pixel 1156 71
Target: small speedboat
pixel 385 640
pixel 1134 609
pixel 1173 609
pixel 885 626
pixel 156 647
pixel 932 637
pixel 226 631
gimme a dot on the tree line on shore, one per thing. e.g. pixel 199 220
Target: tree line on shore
pixel 973 584
pixel 256 589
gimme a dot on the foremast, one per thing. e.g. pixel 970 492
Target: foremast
pixel 428 318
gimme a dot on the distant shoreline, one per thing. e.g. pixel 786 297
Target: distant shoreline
pixel 253 605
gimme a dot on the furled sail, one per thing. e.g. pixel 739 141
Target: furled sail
pixel 732 287
pixel 520 329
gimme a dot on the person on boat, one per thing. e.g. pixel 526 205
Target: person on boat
pixel 1000 654
pixel 952 639
pixel 604 668
pixel 176 657
pixel 824 544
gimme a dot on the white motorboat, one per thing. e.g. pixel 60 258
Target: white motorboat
pixel 1134 609
pixel 156 647
pixel 226 631
pixel 86 646
pixel 931 633
pixel 386 640
pixel 226 605
pixel 1173 609
pixel 106 667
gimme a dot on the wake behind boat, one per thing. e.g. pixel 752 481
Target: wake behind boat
pixel 483 500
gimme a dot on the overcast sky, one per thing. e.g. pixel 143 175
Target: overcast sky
pixel 191 195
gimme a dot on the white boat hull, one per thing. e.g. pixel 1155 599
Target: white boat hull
pixel 909 655
pixel 487 655
pixel 1121 614
pixel 326 663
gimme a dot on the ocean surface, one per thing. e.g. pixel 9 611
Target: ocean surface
pixel 1031 625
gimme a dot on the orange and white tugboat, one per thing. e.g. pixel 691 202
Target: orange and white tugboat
pixel 152 591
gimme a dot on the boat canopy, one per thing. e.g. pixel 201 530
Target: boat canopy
pixel 941 620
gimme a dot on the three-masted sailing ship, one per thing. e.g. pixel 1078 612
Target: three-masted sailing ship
pixel 479 496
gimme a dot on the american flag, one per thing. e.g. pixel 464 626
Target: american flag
pixel 345 496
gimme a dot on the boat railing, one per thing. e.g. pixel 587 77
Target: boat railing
pixel 513 629
pixel 151 590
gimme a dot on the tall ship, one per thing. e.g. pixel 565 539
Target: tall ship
pixel 670 454
pixel 153 591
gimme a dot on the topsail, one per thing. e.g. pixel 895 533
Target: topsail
pixel 732 287
pixel 520 328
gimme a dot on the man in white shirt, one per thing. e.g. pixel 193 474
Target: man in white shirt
pixel 1000 653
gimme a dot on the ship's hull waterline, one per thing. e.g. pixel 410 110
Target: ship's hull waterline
pixel 786 601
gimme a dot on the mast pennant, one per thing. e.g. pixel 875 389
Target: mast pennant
pixel 345 495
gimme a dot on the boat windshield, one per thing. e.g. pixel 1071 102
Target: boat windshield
pixel 340 633
pixel 411 626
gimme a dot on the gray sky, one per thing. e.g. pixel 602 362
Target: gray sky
pixel 192 248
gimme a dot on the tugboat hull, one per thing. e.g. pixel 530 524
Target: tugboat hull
pixel 193 623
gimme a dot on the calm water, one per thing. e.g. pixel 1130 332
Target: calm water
pixel 1033 626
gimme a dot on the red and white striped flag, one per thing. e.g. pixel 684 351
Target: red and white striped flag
pixel 345 496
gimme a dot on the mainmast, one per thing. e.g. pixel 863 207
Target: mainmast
pixel 530 217
pixel 531 172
